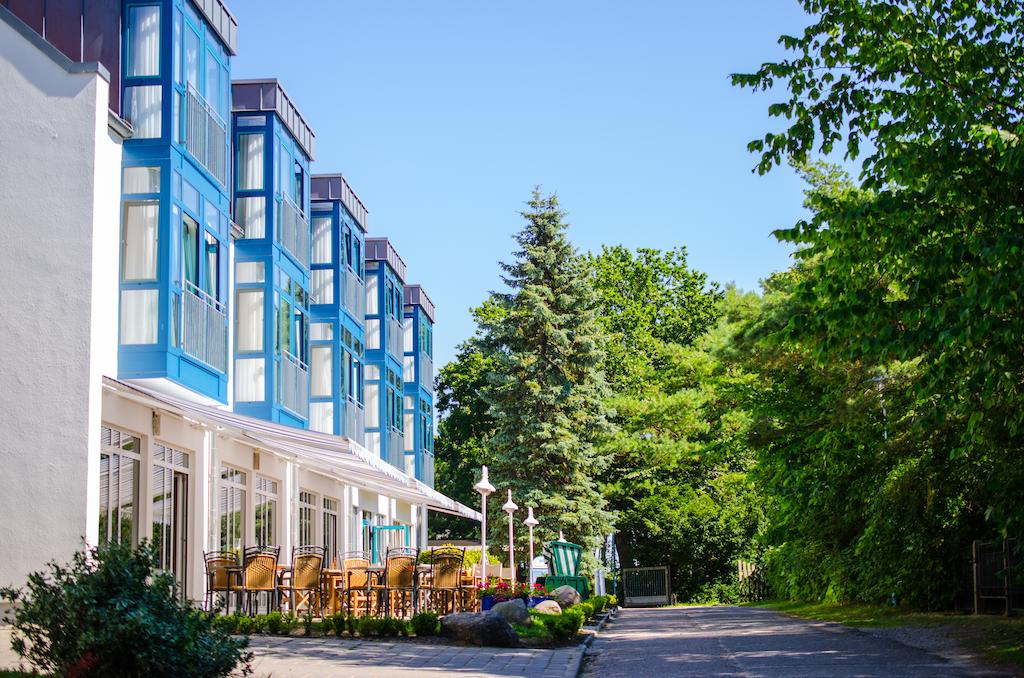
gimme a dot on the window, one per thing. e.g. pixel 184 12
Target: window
pixel 250 380
pixel 192 58
pixel 266 511
pixel 249 320
pixel 249 272
pixel 372 333
pixel 321 366
pixel 298 187
pixel 373 405
pixel 322 286
pixel 142 108
pixel 321 417
pixel 212 81
pixel 170 507
pixel 211 271
pixel 407 337
pixel 139 316
pixel 250 161
pixel 119 487
pixel 322 241
pixel 409 437
pixel 190 250
pixel 251 214
pixel 409 368
pixel 307 518
pixel 322 332
pixel 141 180
pixel 331 531
pixel 231 509
pixel 143 41
pixel 139 240
pixel 372 307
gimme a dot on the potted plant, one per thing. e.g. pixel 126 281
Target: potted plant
pixel 536 594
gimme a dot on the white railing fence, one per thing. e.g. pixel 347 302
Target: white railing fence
pixel 354 294
pixel 293 232
pixel 396 343
pixel 293 384
pixel 206 136
pixel 204 328
pixel 426 372
pixel 396 449
pixel 355 418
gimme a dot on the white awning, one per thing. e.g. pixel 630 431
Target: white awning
pixel 333 456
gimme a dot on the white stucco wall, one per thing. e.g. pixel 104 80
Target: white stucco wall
pixel 59 194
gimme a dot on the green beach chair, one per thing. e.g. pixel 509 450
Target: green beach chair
pixel 563 560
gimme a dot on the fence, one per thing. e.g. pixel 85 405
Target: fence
pixel 205 335
pixel 753 586
pixel 646 586
pixel 998 576
pixel 205 136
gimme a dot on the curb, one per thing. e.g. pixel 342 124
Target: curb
pixel 584 645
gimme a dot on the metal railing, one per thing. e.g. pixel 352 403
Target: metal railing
pixel 396 449
pixel 204 328
pixel 293 232
pixel 427 469
pixel 355 418
pixel 206 136
pixel 395 341
pixel 426 372
pixel 293 384
pixel 354 294
pixel 646 586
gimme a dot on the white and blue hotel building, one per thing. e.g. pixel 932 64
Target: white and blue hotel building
pixel 201 346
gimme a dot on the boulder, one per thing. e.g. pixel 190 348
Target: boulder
pixel 566 596
pixel 514 612
pixel 479 628
pixel 548 607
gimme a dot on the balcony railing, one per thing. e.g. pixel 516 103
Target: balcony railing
pixel 354 294
pixel 293 232
pixel 396 449
pixel 396 343
pixel 204 328
pixel 206 136
pixel 293 384
pixel 426 372
pixel 427 469
pixel 355 419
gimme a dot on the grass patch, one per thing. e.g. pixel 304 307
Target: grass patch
pixel 998 640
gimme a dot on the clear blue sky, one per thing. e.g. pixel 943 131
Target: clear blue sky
pixel 444 115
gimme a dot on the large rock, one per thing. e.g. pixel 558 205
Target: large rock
pixel 566 596
pixel 548 607
pixel 479 628
pixel 514 612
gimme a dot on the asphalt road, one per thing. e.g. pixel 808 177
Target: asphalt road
pixel 753 643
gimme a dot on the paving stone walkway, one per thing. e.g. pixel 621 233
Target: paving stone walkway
pixel 753 643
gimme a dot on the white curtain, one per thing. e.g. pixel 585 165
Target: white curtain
pixel 141 180
pixel 407 334
pixel 249 320
pixel 372 406
pixel 249 272
pixel 142 106
pixel 321 331
pixel 251 214
pixel 320 371
pixel 321 417
pixel 322 243
pixel 140 241
pixel 322 283
pixel 249 379
pixel 139 316
pixel 372 306
pixel 144 43
pixel 372 333
pixel 250 162
pixel 408 368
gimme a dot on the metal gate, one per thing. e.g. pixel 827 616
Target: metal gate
pixel 646 586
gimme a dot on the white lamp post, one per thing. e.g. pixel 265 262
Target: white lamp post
pixel 484 489
pixel 510 507
pixel 531 523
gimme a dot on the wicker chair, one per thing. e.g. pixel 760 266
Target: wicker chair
pixel 399 581
pixel 306 585
pixel 222 576
pixel 259 575
pixel 444 591
pixel 355 581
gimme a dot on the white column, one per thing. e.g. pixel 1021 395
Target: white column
pixel 423 525
pixel 200 490
pixel 345 518
pixel 146 486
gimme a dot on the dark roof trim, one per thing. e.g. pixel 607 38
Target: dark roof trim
pixel 222 21
pixel 121 127
pixel 268 95
pixel 335 187
pixel 414 295
pixel 381 249
pixel 58 57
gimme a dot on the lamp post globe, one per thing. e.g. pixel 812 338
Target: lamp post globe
pixel 484 489
pixel 510 507
pixel 531 523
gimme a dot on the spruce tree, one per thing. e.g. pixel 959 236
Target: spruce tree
pixel 546 391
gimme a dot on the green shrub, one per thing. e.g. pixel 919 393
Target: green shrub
pixel 392 626
pixel 275 624
pixel 612 600
pixel 586 609
pixel 307 623
pixel 111 612
pixel 368 626
pixel 563 626
pixel 226 623
pixel 337 623
pixel 425 624
pixel 259 623
pixel 246 625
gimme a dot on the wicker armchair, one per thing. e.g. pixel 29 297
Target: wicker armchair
pixel 259 575
pixel 397 583
pixel 306 585
pixel 222 576
pixel 444 589
pixel 355 582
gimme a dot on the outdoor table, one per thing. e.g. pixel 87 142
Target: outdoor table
pixel 331 577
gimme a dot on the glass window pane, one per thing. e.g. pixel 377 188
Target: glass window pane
pixel 322 282
pixel 139 316
pixel 372 405
pixel 249 320
pixel 211 267
pixel 192 58
pixel 251 214
pixel 249 272
pixel 139 241
pixel 190 250
pixel 321 417
pixel 143 41
pixel 322 242
pixel 212 81
pixel 249 380
pixel 372 307
pixel 321 331
pixel 141 180
pixel 142 108
pixel 372 333
pixel 320 371
pixel 250 162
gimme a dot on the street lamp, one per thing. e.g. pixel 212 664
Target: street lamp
pixel 531 523
pixel 484 489
pixel 510 507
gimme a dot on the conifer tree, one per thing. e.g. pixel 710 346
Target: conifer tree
pixel 546 391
